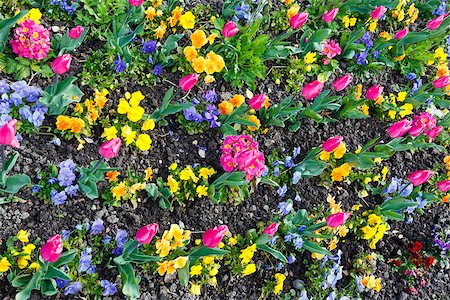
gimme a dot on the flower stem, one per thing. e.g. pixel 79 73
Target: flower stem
pixel 98 164
pixel 2 154
pixel 55 85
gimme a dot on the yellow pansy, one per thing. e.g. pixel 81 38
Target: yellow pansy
pixel 143 142
pixel 195 289
pixel 173 166
pixel 4 265
pixel 28 248
pixel 187 20
pixel 310 58
pixel 148 125
pixel 180 262
pixel 22 262
pixel 206 172
pixel 119 190
pixel 22 236
pixel 201 191
pixel 173 184
pixel 198 38
pixel 34 265
pixel 196 270
pixel 249 269
pixel 109 133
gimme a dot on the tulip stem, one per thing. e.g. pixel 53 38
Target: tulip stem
pixel 55 85
pixel 2 153
pixel 98 164
pixel 124 21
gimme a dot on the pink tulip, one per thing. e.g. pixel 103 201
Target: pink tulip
pixel 110 148
pixel 298 20
pixel 329 16
pixel 75 32
pixel 187 82
pixel 271 229
pixel 444 186
pixel 419 177
pixel 436 22
pixel 399 128
pixel 146 233
pixel 342 82
pixel 212 237
pixel 433 133
pixel 257 102
pixel 62 64
pixel 8 134
pixel 135 2
pixel 332 143
pixel 401 33
pixel 337 219
pixel 230 29
pixel 312 89
pixel 442 82
pixel 378 12
pixel 52 250
pixel 374 92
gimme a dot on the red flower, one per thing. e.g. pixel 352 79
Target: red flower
pixel 428 261
pixel 396 262
pixel 417 246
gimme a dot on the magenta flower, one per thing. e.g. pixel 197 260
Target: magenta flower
pixel 52 250
pixel 298 20
pixel 374 92
pixel 230 29
pixel 187 82
pixel 332 143
pixel 337 219
pixel 342 82
pixel 331 48
pixel 443 186
pixel 378 12
pixel 145 234
pixel 399 128
pixel 419 177
pixel 271 229
pixel 257 102
pixel 212 237
pixel 312 89
pixel 329 16
pixel 111 148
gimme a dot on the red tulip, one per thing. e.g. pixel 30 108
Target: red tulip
pixel 401 33
pixel 342 82
pixel 271 229
pixel 428 261
pixel 337 219
pixel 187 82
pixel 374 92
pixel 62 64
pixel 436 22
pixel 52 250
pixel 434 132
pixel 419 177
pixel 212 237
pixel 442 82
pixel 399 128
pixel 110 148
pixel 135 2
pixel 312 89
pixel 378 12
pixel 298 20
pixel 443 186
pixel 230 29
pixel 146 233
pixel 75 32
pixel 332 143
pixel 329 16
pixel 8 134
pixel 257 102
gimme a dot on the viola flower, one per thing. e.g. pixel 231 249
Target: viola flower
pixel 97 227
pixel 73 288
pixel 109 288
pixel 119 65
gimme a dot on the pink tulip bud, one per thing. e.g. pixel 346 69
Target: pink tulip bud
pixel 312 89
pixel 62 64
pixel 110 148
pixel 433 133
pixel 399 128
pixel 337 219
pixel 75 32
pixel 342 82
pixel 257 102
pixel 230 29
pixel 135 2
pixel 401 33
pixel 419 177
pixel 298 20
pixel 271 229
pixel 378 12
pixel 212 237
pixel 52 250
pixel 442 82
pixel 332 143
pixel 374 92
pixel 329 16
pixel 436 22
pixel 145 234
pixel 187 82
pixel 444 186
pixel 8 134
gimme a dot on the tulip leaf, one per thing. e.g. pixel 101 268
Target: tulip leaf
pixel 392 215
pixel 33 284
pixel 152 190
pixel 130 287
pixel 48 287
pixel 315 248
pixel 55 273
pixel 142 258
pixel 21 280
pixel 65 258
pixel 202 251
pixel 396 203
pixel 14 183
pixel 183 274
pixel 262 240
pixel 10 162
pixel 275 253
pixel 5 26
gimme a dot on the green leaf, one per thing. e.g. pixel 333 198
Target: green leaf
pixel 314 247
pixel 21 280
pixel 130 284
pixel 33 284
pixel 392 215
pixel 10 162
pixel 396 203
pixel 202 251
pixel 14 183
pixel 275 253
pixel 65 258
pixel 48 287
pixel 263 239
pixel 152 190
pixel 55 273
pixel 183 274
pixel 5 26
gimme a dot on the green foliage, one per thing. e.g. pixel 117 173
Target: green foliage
pixel 5 26
pixel 10 185
pixel 90 176
pixel 167 108
pixel 58 96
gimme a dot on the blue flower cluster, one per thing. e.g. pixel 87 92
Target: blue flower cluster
pixel 19 100
pixel 121 239
pixel 211 112
pixel 70 9
pixel 361 58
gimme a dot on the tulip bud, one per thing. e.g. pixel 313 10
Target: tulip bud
pixel 312 89
pixel 146 233
pixel 187 82
pixel 52 250
pixel 332 143
pixel 419 177
pixel 329 16
pixel 8 134
pixel 110 148
pixel 436 22
pixel 135 2
pixel 230 29
pixel 442 82
pixel 443 186
pixel 62 64
pixel 212 237
pixel 257 102
pixel 75 32
pixel 401 33
pixel 378 12
pixel 342 82
pixel 433 133
pixel 374 92
pixel 399 128
pixel 298 20
pixel 271 229
pixel 337 219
